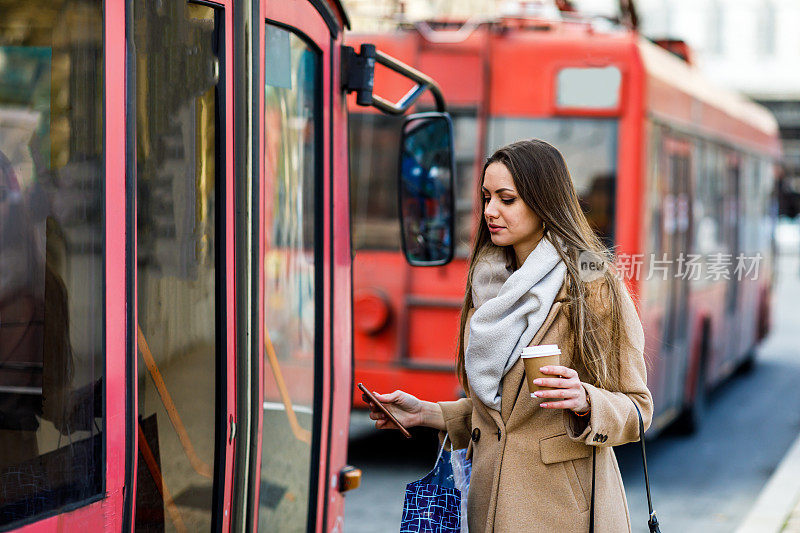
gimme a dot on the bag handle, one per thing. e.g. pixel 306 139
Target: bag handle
pixel 652 522
pixel 441 450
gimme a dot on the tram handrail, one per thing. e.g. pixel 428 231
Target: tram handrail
pixel 199 466
pixel 152 465
pixel 300 433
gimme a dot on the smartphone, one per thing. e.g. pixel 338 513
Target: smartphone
pixel 374 400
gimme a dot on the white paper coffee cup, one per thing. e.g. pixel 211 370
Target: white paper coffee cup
pixel 541 351
pixel 535 357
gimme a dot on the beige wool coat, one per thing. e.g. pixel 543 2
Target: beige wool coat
pixel 532 467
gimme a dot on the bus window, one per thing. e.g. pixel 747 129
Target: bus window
pixel 179 151
pixel 51 257
pixel 589 147
pixel 292 277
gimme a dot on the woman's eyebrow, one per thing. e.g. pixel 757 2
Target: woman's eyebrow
pixel 498 190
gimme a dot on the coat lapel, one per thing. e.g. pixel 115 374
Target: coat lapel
pixel 514 378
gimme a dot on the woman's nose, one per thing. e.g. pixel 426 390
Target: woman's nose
pixel 491 210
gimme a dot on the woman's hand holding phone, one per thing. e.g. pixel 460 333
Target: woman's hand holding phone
pixel 406 408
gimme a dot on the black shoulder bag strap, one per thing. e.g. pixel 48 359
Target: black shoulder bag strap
pixel 652 522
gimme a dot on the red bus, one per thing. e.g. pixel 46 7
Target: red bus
pixel 175 262
pixel 674 173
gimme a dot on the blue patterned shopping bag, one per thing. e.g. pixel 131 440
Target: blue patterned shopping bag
pixel 433 503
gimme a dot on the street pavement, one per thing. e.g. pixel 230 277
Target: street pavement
pixel 706 482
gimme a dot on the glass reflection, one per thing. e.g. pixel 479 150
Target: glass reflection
pixel 179 154
pixel 292 173
pixel 51 256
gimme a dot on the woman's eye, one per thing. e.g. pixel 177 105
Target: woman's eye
pixel 509 201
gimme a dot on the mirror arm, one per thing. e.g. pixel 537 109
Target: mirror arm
pixel 359 76
pixel 423 83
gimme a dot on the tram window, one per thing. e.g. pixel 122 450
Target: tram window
pixel 589 147
pixel 51 256
pixel 373 179
pixel 179 151
pixel 291 279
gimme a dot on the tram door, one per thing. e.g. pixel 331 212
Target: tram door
pixel 677 240
pixel 183 311
pixel 295 278
pixel 61 352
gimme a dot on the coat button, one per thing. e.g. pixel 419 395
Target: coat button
pixel 476 435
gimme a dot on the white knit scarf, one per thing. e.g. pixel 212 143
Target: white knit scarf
pixel 510 309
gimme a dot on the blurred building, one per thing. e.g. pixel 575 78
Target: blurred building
pixel 752 46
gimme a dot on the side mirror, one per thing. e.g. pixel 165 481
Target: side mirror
pixel 425 189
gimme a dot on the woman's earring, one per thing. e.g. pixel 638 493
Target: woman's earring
pixel 544 228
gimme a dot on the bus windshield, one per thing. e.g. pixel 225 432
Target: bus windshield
pixel 589 147
pixel 373 179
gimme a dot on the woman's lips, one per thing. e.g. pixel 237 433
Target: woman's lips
pixel 494 229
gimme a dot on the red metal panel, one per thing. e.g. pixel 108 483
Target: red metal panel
pixel 342 291
pixel 299 14
pixel 116 420
pixel 329 370
pixel 631 162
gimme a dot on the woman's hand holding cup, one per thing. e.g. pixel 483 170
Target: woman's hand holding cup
pixel 567 386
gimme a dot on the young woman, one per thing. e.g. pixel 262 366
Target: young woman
pixel 531 457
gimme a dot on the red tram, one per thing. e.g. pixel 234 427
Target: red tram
pixel 175 261
pixel 671 171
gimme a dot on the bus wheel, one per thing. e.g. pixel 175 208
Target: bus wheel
pixel 691 417
pixel 748 363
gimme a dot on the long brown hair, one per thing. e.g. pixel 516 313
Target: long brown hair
pixel 544 184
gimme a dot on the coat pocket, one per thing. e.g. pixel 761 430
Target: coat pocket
pixel 561 449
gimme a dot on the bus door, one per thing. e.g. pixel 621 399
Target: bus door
pixel 733 212
pixel 294 319
pixel 676 245
pixel 180 146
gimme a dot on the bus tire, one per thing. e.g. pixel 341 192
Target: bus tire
pixel 691 416
pixel 748 363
